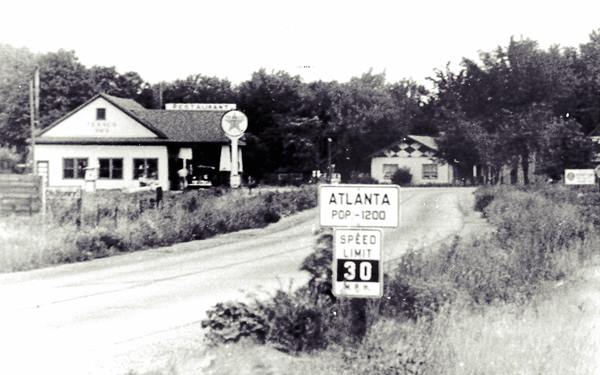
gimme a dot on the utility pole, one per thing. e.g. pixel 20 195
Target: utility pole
pixel 160 95
pixel 34 108
pixel 329 140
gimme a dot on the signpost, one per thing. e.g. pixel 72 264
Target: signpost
pixel 200 106
pixel 91 175
pixel 357 270
pixel 234 124
pixel 362 206
pixel 357 213
pixel 580 177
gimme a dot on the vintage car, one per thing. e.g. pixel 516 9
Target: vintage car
pixel 202 177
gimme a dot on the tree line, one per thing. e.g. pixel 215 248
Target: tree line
pixel 515 104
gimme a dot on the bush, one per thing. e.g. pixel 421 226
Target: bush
pixel 97 243
pixel 416 298
pixel 232 321
pixel 362 178
pixel 296 324
pixel 402 177
pixel 483 197
pixel 289 321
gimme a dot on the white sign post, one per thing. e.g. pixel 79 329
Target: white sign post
pixel 357 268
pixel 357 212
pixel 91 175
pixel 362 206
pixel 234 124
pixel 580 177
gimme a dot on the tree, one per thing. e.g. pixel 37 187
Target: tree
pixel 127 85
pixel 198 89
pixel 64 85
pixel 271 101
pixel 511 94
pixel 587 66
pixel 16 70
pixel 461 142
pixel 302 140
pixel 364 118
pixel 564 146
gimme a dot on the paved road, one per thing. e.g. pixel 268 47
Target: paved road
pixel 138 310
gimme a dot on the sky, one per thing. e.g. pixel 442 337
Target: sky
pixel 316 39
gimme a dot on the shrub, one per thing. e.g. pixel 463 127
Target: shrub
pixel 483 197
pixel 402 177
pixel 232 321
pixel 416 298
pixel 296 324
pixel 362 178
pixel 97 243
pixel 288 321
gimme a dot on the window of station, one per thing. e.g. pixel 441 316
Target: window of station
pixel 111 169
pixel 100 114
pixel 74 167
pixel 145 168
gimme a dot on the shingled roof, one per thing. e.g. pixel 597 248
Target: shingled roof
pixel 186 126
pixel 426 140
pixel 171 126
pixel 128 104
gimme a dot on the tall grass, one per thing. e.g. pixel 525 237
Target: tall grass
pixel 107 223
pixel 543 336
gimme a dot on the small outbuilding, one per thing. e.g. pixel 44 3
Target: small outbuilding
pixel 419 154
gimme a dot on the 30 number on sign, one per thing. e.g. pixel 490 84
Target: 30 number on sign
pixel 357 270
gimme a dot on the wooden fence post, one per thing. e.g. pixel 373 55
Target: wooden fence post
pixel 79 214
pixel 358 318
pixel 116 217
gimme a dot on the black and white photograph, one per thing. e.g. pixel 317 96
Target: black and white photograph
pixel 300 187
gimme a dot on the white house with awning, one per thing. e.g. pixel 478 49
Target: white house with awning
pixel 419 154
pixel 125 143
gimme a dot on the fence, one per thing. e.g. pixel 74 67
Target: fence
pixel 20 194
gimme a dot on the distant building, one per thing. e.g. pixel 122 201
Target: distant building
pixel 417 153
pixel 126 144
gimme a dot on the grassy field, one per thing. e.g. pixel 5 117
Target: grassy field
pixel 108 223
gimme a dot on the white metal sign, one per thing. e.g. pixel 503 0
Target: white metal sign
pixel 364 206
pixel 357 263
pixel 580 177
pixel 200 106
pixel 234 124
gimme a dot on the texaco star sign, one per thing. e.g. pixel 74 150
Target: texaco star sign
pixel 234 124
